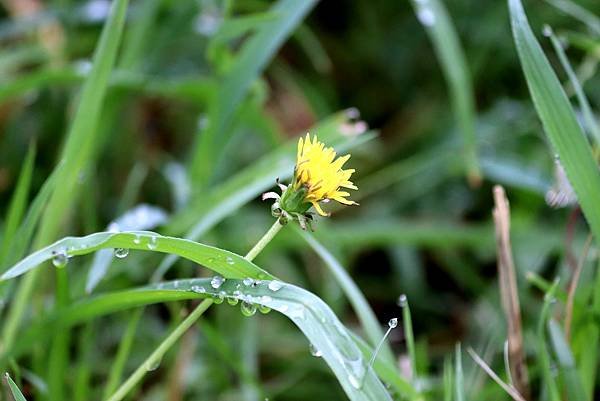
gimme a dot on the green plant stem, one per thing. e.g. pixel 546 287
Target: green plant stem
pixel 260 245
pixel 158 353
pixel 189 321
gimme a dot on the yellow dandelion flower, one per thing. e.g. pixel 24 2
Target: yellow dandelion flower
pixel 321 174
pixel 318 177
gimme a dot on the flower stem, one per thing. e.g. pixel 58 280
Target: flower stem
pixel 260 245
pixel 156 356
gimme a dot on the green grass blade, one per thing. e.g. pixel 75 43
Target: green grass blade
pixel 139 218
pixel 251 61
pixel 79 146
pixel 459 380
pixel 223 262
pixel 558 118
pixel 543 352
pixel 314 318
pixel 387 371
pixel 438 24
pixel 14 390
pixel 197 90
pixel 359 303
pixel 566 363
pixel 409 335
pixel 118 365
pixel 17 206
pixel 586 109
pixel 575 10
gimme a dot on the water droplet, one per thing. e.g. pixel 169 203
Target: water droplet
pixel 210 261
pixel 265 299
pixel 219 298
pixel 152 365
pixel 121 252
pixel 393 323
pixel 248 308
pixel 216 282
pixel 60 258
pixel 198 289
pixel 248 281
pixel 402 300
pixel 547 30
pixel 264 309
pixel 153 243
pixel 282 308
pixel 426 16
pixel 232 301
pixel 137 239
pixel 229 260
pixel 275 285
pixel 314 351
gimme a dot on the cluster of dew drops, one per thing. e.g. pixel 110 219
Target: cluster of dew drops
pixel 247 306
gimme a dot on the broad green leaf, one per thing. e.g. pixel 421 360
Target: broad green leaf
pixel 558 118
pixel 223 262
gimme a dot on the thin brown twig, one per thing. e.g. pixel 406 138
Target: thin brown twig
pixel 573 286
pixel 509 293
pixel 513 392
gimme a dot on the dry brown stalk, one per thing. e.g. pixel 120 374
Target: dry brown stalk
pixel 509 293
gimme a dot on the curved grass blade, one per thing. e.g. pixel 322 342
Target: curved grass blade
pixel 141 217
pixel 436 20
pixel 316 320
pixel 14 390
pixel 223 262
pixel 359 303
pixel 558 118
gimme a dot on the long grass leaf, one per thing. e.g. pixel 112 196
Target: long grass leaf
pixel 223 262
pixel 436 20
pixel 252 59
pixel 17 206
pixel 359 303
pixel 566 363
pixel 586 109
pixel 558 118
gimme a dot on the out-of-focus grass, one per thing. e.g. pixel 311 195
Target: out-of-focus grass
pixel 195 109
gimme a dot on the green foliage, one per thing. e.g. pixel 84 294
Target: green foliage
pixel 175 116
